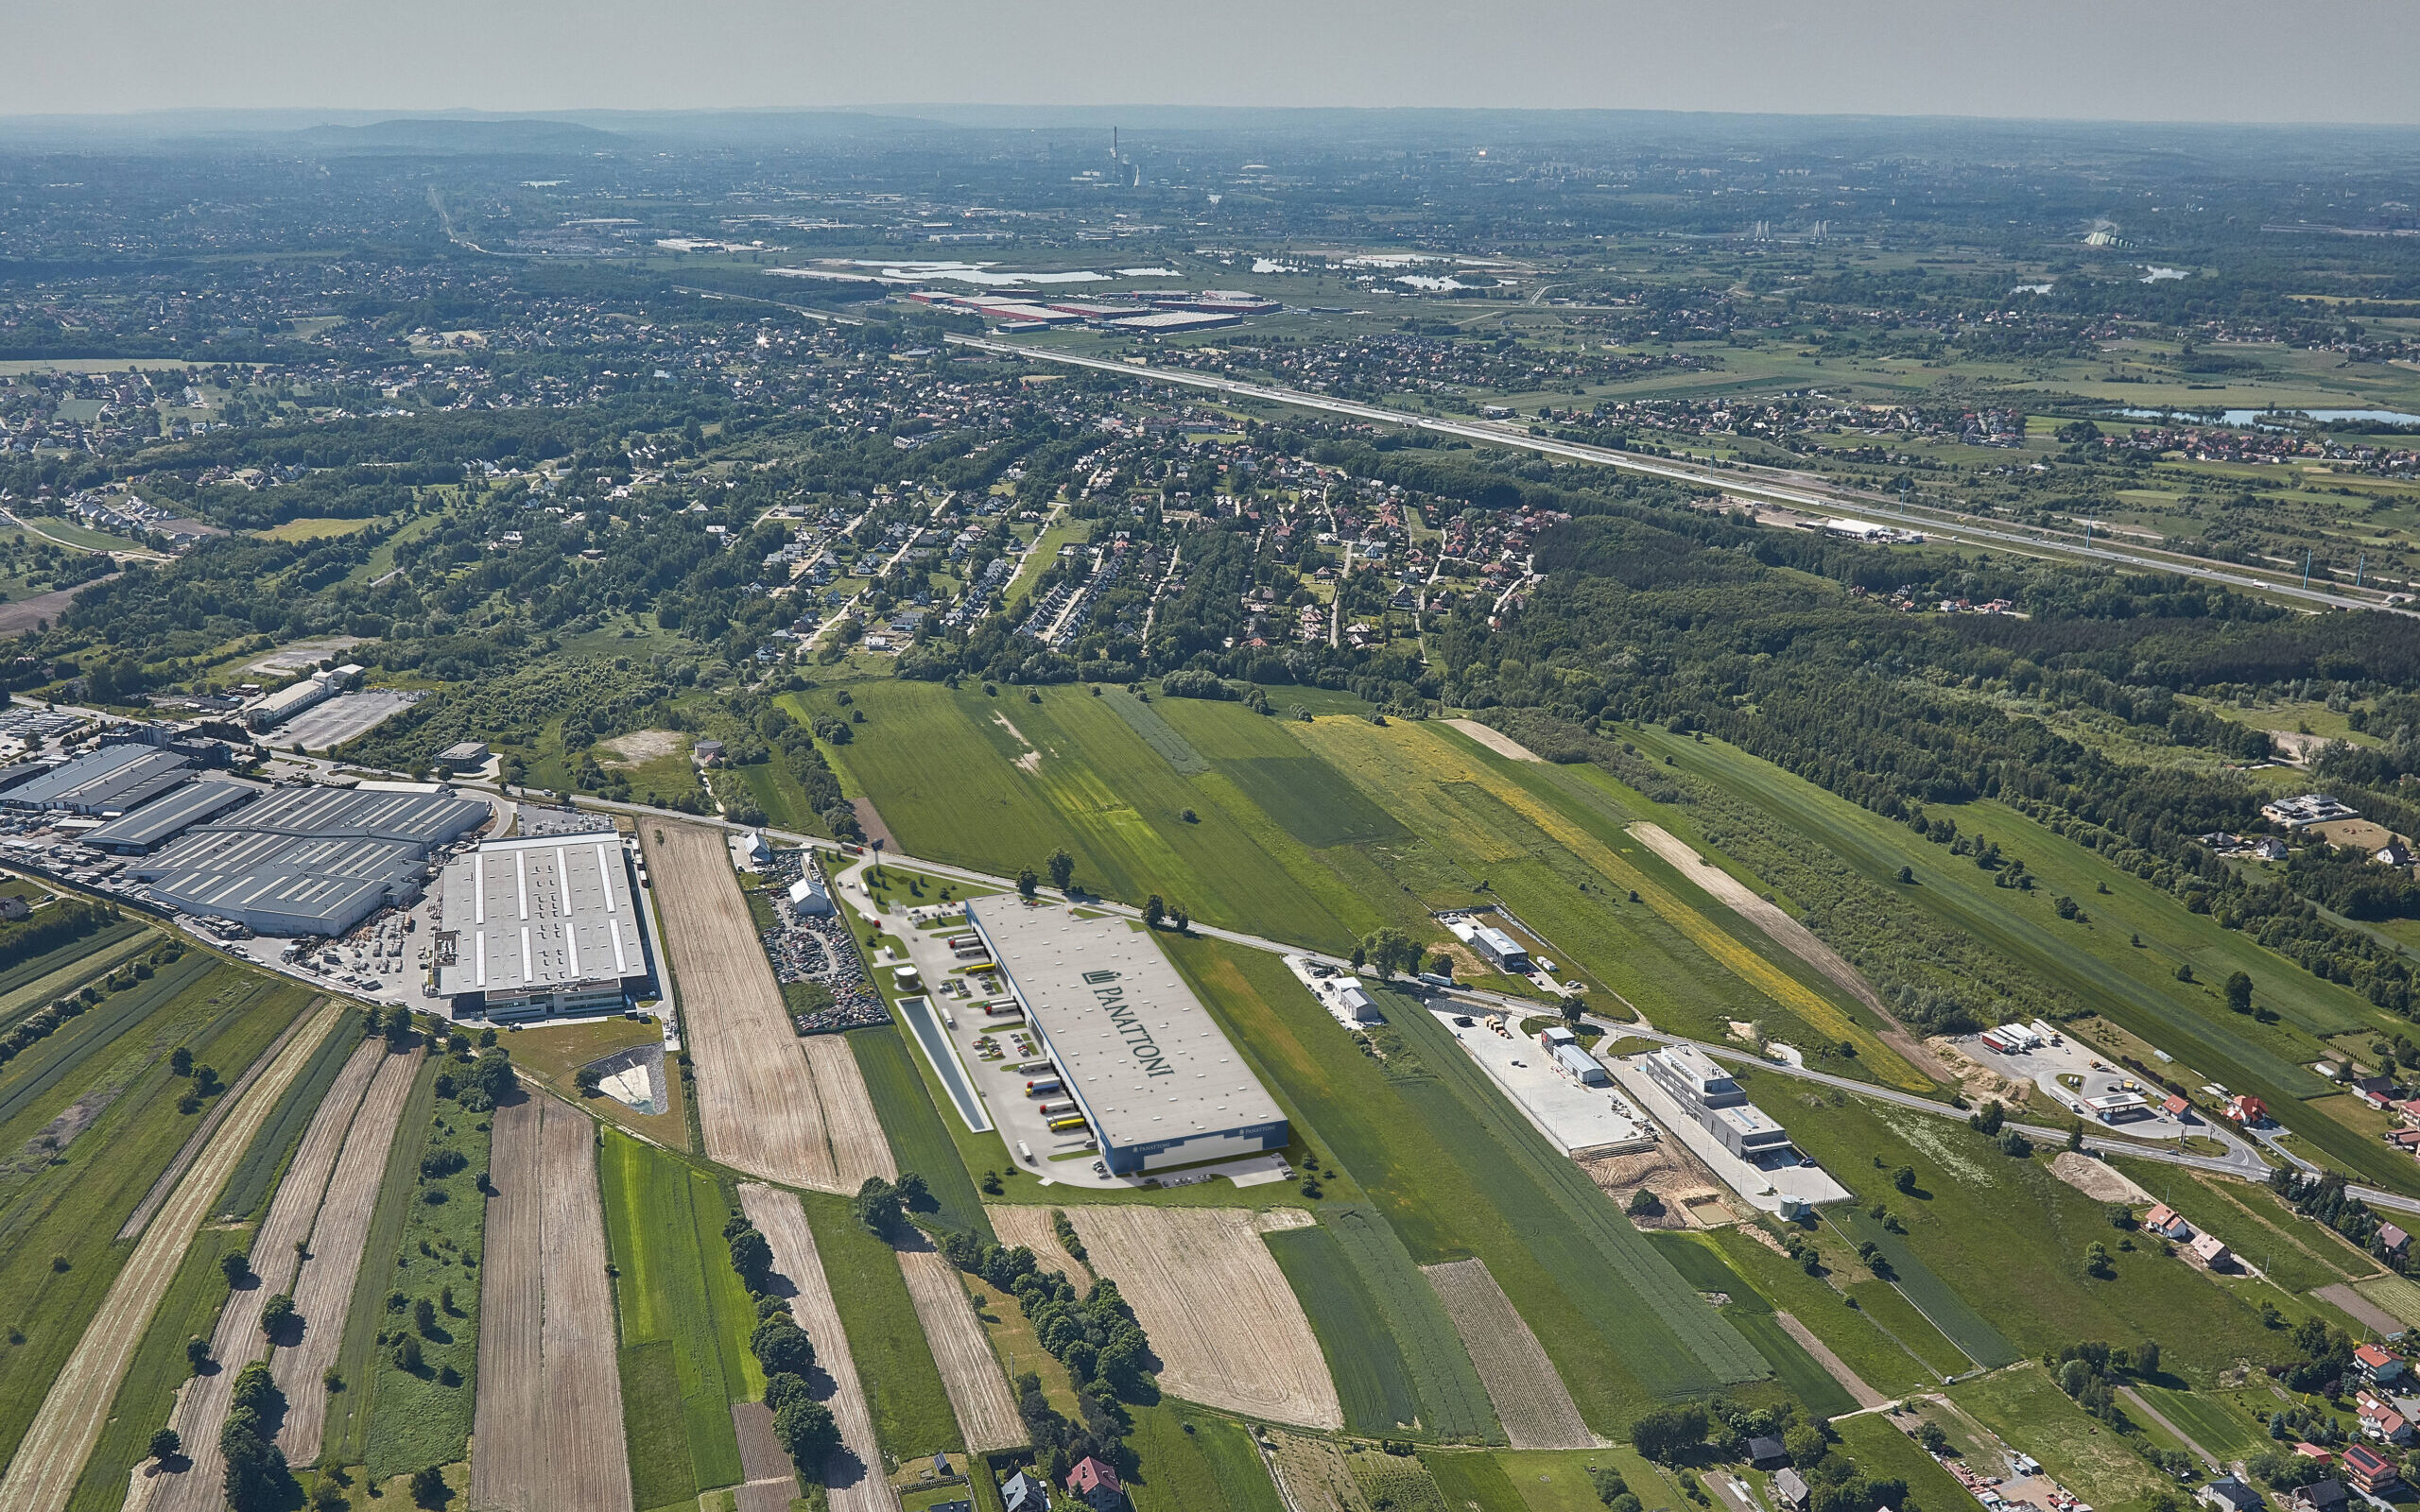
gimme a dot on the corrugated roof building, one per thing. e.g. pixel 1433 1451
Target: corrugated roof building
pixel 539 925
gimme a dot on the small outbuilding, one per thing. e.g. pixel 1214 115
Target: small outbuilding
pixel 1765 1452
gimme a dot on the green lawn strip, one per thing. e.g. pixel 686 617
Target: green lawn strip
pixel 2025 1407
pixel 1984 1216
pixel 256 1176
pixel 1579 1209
pixel 912 1412
pixel 1879 1360
pixel 655 1426
pixel 345 1437
pixel 1896 1317
pixel 2213 1419
pixel 727 1299
pixel 36 983
pixel 918 1131
pixel 1468 1480
pixel 1448 1187
pixel 1373 1381
pixel 190 1308
pixel 1453 1403
pixel 1154 731
pixel 72 1211
pixel 1706 1269
pixel 419 1418
pixel 1882 1452
pixel 1932 1296
pixel 2182 1019
pixel 1214 1468
pixel 27 1085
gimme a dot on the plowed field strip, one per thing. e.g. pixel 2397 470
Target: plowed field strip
pixel 1220 1313
pixel 1031 1227
pixel 52 1454
pixel 323 1290
pixel 757 1099
pixel 853 1477
pixel 1531 1399
pixel 587 1467
pixel 201 1135
pixel 978 1393
pixel 859 1148
pixel 507 1460
pixel 202 1408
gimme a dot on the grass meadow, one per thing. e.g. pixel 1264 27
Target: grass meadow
pixel 912 1412
pixel 424 1417
pixel 1196 1461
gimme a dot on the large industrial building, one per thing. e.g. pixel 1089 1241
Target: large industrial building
pixel 107 782
pixel 309 860
pixel 1709 1093
pixel 539 925
pixel 1140 1057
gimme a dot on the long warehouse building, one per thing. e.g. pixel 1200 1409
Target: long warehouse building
pixel 1147 1068
pixel 539 925
pixel 309 860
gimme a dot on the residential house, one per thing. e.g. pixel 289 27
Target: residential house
pixel 2379 1367
pixel 2247 1111
pixel 1765 1452
pixel 2168 1223
pixel 2382 1421
pixel 2393 1242
pixel 2370 1471
pixel 1097 1485
pixel 2178 1108
pixel 2319 1496
pixel 2392 854
pixel 1790 1491
pixel 2228 1494
pixel 2210 1252
pixel 1022 1492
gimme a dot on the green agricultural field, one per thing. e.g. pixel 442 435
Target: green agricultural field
pixel 1372 1380
pixel 256 1176
pixel 1979 1216
pixel 30 984
pixel 189 1309
pixel 912 1412
pixel 424 1417
pixel 1889 1309
pixel 1800 1372
pixel 345 1441
pixel 2025 1407
pixel 918 1131
pixel 1881 1450
pixel 2228 1424
pixel 1468 1480
pixel 59 1215
pixel 2097 966
pixel 1453 1405
pixel 1189 1460
pixel 1459 1179
pixel 684 1320
pixel 1853 1333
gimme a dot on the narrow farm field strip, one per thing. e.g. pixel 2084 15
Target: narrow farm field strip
pixel 1031 1227
pixel 1193 1462
pixel 920 1141
pixel 279 1142
pixel 2398 1294
pixel 1453 1403
pixel 202 1134
pixel 120 1471
pixel 32 1075
pixel 1530 1397
pixel 1932 1297
pixel 859 1149
pixel 1856 1335
pixel 1217 1310
pixel 1374 1383
pixel 547 1365
pixel 895 1361
pixel 325 1289
pixel 34 984
pixel 757 1097
pixel 201 1409
pixel 1861 1394
pixel 48 1460
pixel 345 1438
pixel 978 1393
pixel 853 1479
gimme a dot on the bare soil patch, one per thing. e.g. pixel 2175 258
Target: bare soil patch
pixel 1031 1227
pixel 978 1393
pixel 2096 1180
pixel 869 819
pixel 51 1455
pixel 1531 1399
pixel 853 1477
pixel 1227 1327
pixel 1790 935
pixel 1495 740
pixel 757 1099
pixel 1677 1178
pixel 554 1381
pixel 324 1289
pixel 1979 1082
pixel 771 1480
pixel 641 746
pixel 201 1406
pixel 55 1136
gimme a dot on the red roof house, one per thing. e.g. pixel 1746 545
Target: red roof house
pixel 1095 1485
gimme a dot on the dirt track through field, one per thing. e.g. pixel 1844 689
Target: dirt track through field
pixel 1495 740
pixel 1531 1399
pixel 1226 1325
pixel 323 1290
pixel 1030 1226
pixel 978 1393
pixel 201 1406
pixel 853 1477
pixel 1864 1394
pixel 51 1456
pixel 201 1135
pixel 550 1413
pixel 757 1095
pixel 1792 937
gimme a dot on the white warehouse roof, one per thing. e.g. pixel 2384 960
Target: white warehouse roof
pixel 537 913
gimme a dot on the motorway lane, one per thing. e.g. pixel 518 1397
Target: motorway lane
pixel 1801 495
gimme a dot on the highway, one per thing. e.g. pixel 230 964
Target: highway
pixel 1796 490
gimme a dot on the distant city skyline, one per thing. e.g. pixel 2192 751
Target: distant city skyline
pixel 2216 60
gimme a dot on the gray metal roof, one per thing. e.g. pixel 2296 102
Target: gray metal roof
pixel 163 818
pixel 424 820
pixel 1143 1056
pixel 234 850
pixel 538 911
pixel 113 779
pixel 272 900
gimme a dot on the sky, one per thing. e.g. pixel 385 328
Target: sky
pixel 2253 61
